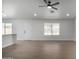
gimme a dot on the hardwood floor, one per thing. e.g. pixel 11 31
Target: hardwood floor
pixel 40 50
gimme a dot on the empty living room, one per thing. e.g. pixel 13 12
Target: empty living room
pixel 38 29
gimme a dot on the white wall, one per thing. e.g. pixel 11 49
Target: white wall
pixel 33 29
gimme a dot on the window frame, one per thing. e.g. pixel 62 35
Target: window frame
pixel 54 27
pixel 6 28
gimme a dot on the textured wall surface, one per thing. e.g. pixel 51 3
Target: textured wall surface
pixel 34 29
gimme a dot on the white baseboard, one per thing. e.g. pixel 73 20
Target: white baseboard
pixel 49 40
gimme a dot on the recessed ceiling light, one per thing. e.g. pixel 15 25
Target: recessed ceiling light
pixel 35 14
pixel 67 14
pixel 49 7
pixel 4 15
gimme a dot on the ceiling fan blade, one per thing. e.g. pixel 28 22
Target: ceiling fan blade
pixel 55 3
pixel 55 8
pixel 42 6
pixel 45 1
pixel 52 11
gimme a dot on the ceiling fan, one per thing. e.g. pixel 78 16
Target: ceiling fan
pixel 50 5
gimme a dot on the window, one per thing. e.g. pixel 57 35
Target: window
pixel 51 29
pixel 6 28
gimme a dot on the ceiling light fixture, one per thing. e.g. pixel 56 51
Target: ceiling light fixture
pixel 3 14
pixel 49 7
pixel 35 14
pixel 67 14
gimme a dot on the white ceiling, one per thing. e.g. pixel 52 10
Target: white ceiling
pixel 25 9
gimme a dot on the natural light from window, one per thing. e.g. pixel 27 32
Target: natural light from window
pixel 51 28
pixel 6 28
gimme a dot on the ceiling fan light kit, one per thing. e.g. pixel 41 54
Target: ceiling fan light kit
pixel 49 7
